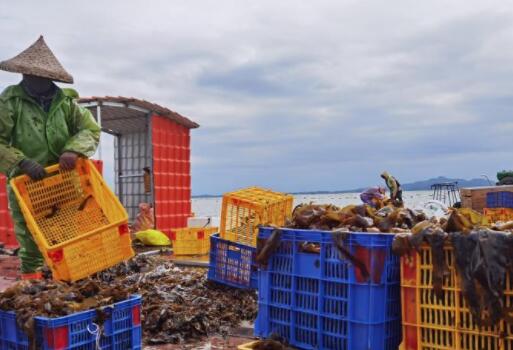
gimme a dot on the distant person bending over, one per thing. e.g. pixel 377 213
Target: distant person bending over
pixel 396 193
pixel 40 125
pixel 373 196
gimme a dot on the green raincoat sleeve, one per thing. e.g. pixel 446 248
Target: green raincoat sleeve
pixel 86 133
pixel 9 156
pixel 392 185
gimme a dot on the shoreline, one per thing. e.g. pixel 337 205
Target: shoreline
pixel 206 196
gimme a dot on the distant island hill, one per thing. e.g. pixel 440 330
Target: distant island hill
pixel 424 185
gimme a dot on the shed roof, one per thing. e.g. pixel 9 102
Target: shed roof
pixel 133 104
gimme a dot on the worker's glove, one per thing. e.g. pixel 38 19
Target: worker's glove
pixel 68 160
pixel 33 169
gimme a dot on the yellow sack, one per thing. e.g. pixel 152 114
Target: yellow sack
pixel 152 237
pixel 473 216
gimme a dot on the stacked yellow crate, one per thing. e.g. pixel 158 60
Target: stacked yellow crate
pixel 245 210
pixel 498 214
pixel 232 252
pixel 192 240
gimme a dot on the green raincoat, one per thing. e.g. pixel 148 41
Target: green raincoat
pixel 27 131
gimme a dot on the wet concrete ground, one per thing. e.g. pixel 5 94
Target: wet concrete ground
pixel 9 271
pixel 213 343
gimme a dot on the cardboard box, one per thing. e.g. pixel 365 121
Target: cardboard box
pixel 475 197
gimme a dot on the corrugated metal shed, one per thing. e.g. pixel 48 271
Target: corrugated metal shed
pixel 127 114
pixel 153 137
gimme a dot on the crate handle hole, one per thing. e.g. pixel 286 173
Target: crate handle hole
pixel 309 247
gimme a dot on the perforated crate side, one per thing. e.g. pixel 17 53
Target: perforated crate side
pixel 192 240
pixel 77 222
pixel 447 323
pixel 232 264
pixel 243 211
pixel 121 329
pixel 502 199
pixel 171 173
pixel 319 301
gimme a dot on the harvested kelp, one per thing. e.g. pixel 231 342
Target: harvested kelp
pixel 433 235
pixel 356 218
pixel 50 298
pixel 482 259
pixel 179 304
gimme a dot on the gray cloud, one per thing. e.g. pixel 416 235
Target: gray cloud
pixel 318 95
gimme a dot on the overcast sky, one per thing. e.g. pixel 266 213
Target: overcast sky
pixel 322 95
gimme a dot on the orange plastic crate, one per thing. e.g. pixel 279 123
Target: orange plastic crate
pixel 243 211
pixel 447 324
pixel 498 214
pixel 77 222
pixel 192 240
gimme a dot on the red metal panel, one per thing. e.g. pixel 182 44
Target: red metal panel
pixel 7 236
pixel 99 165
pixel 171 173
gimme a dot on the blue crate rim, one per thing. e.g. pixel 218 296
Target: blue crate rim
pixel 286 229
pixel 318 236
pixel 217 237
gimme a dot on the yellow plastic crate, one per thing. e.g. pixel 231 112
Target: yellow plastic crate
pixel 192 240
pixel 498 214
pixel 447 324
pixel 243 211
pixel 77 222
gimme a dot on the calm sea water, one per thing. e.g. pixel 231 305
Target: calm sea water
pixel 212 206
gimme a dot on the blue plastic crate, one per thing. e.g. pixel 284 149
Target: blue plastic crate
pixel 492 200
pixel 121 329
pixel 321 301
pixel 501 199
pixel 232 263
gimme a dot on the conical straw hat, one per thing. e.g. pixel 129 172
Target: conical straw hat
pixel 38 60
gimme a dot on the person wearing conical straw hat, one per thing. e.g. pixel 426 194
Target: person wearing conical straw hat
pixel 40 124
